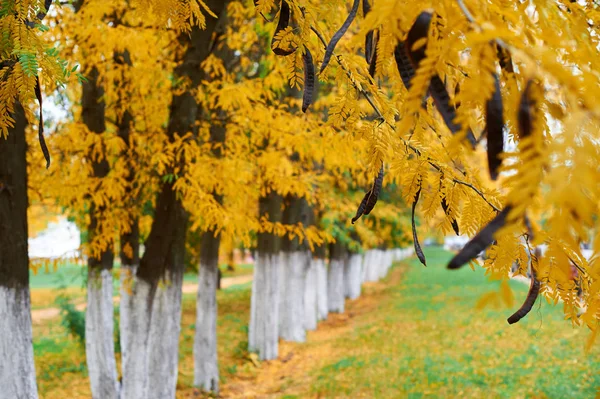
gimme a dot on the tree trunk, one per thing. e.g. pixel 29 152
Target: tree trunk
pixel 321 277
pixel 264 312
pixel 99 319
pixel 206 369
pixel 353 271
pixel 150 369
pixel 17 369
pixel 335 277
pixel 295 264
pixel 310 297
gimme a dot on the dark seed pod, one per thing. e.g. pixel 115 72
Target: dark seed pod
pixel 442 101
pixel 284 22
pixel 437 89
pixel 419 30
pixel 525 115
pixel 38 94
pixel 505 60
pixel 373 63
pixel 405 67
pixel 532 294
pixel 418 249
pixel 372 200
pixel 309 80
pixel 41 15
pixel 481 241
pixel 494 127
pixel 338 35
pixel 361 207
pixel 454 223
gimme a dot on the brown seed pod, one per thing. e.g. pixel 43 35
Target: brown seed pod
pixel 38 94
pixel 338 35
pixel 373 63
pixel 453 222
pixel 369 44
pixel 481 241
pixel 532 294
pixel 418 249
pixel 505 59
pixel 284 22
pixel 437 89
pixel 494 128
pixel 525 111
pixel 370 199
pixel 403 63
pixel 309 80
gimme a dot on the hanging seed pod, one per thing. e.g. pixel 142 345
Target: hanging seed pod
pixel 361 207
pixel 525 111
pixel 338 35
pixel 481 241
pixel 440 96
pixel 505 59
pixel 369 44
pixel 41 15
pixel 494 128
pixel 437 89
pixel 373 63
pixel 374 192
pixel 405 67
pixel 418 249
pixel 532 294
pixel 370 199
pixel 446 211
pixel 309 80
pixel 38 94
pixel 284 22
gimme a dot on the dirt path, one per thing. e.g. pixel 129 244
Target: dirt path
pixel 40 315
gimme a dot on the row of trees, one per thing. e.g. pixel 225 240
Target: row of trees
pixel 184 125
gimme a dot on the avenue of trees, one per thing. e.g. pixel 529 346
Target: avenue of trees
pixel 321 134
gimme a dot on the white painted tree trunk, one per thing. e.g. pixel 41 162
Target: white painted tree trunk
pixel 163 343
pixel 372 273
pixel 365 268
pixel 135 331
pixel 263 332
pixel 17 369
pixel 310 296
pixel 291 307
pixel 206 369
pixel 126 290
pixel 353 275
pixel 99 335
pixel 322 303
pixel 335 285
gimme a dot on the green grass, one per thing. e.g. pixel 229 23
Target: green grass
pixel 417 337
pixel 427 340
pixel 74 276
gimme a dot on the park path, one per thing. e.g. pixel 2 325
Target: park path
pixel 40 315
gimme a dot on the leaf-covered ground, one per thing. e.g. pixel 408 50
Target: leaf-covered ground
pixel 416 334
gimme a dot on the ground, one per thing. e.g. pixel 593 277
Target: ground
pixel 416 334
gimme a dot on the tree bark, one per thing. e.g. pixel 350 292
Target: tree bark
pixel 353 273
pixel 150 369
pixel 321 277
pixel 264 312
pixel 335 277
pixel 295 264
pixel 206 368
pixel 17 369
pixel 99 326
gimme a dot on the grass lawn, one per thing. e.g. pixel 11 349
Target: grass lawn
pixel 415 335
pixel 72 278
